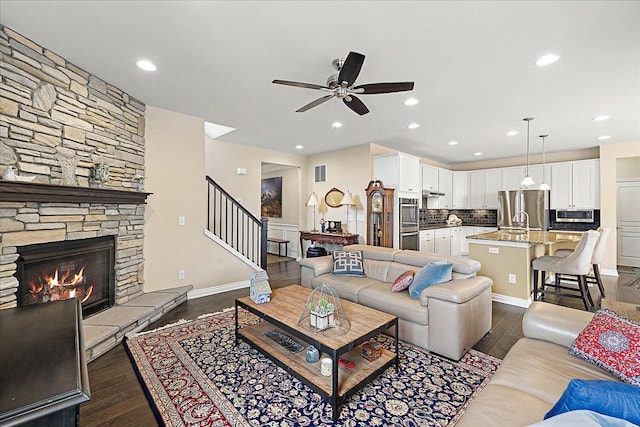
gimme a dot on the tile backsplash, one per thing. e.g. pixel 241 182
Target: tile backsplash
pixel 488 217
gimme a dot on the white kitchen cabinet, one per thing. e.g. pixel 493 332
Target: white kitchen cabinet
pixel 443 241
pixel 427 241
pixel 536 174
pixel 456 240
pixel 400 171
pixel 460 190
pixel 464 245
pixel 483 188
pixel 512 177
pixel 575 185
pixel 429 178
pixel 445 185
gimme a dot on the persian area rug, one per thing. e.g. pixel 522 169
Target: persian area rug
pixel 195 375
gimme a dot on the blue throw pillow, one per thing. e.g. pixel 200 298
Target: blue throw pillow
pixel 431 274
pixel 348 263
pixel 611 398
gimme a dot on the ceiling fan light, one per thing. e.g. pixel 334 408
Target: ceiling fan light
pixel 527 181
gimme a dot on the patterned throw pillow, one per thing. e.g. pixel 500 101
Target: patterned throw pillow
pixel 612 343
pixel 403 281
pixel 348 263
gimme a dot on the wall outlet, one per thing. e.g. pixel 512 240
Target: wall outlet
pixel 180 274
pixel 494 250
pixel 512 278
pixel 180 220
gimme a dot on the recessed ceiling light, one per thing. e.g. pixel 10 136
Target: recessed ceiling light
pixel 413 126
pixel 547 59
pixel 336 124
pixel 146 65
pixel 411 101
pixel 477 153
pixel 604 137
pixel 299 147
pixel 601 118
pixel 512 132
pixel 453 142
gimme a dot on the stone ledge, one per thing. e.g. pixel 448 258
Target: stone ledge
pixel 106 330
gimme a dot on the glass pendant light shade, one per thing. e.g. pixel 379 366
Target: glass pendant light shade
pixel 544 185
pixel 527 181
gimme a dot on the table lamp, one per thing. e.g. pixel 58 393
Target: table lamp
pixel 347 201
pixel 313 201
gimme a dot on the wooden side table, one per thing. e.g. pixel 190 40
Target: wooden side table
pixel 43 372
pixel 329 238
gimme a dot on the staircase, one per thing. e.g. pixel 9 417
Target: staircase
pixel 235 228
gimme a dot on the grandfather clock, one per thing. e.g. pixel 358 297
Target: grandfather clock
pixel 379 214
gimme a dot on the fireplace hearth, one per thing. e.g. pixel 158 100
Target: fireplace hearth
pixel 82 269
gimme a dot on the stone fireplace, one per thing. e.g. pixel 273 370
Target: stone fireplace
pixel 55 271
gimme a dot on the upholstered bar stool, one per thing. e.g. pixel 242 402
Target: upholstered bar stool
pixel 578 263
pixel 596 260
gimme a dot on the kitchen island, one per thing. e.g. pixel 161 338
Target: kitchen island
pixel 506 257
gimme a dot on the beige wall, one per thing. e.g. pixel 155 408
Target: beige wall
pixel 290 194
pixel 609 155
pixel 348 169
pixel 175 168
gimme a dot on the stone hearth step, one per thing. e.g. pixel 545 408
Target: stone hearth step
pixel 106 329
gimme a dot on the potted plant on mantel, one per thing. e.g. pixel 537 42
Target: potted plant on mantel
pixel 321 314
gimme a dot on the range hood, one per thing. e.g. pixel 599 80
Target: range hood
pixel 432 193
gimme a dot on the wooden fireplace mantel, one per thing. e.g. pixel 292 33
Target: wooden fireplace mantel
pixel 15 191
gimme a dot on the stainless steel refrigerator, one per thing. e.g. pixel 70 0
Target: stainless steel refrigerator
pixel 534 202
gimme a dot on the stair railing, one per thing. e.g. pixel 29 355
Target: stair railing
pixel 235 225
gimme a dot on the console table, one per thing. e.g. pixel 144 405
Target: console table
pixel 329 238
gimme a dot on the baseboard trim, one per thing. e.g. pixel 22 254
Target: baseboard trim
pixel 504 299
pixel 609 272
pixel 213 290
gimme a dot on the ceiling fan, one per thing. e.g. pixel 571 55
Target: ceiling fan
pixel 341 85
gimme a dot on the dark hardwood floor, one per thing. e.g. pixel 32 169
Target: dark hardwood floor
pixel 117 399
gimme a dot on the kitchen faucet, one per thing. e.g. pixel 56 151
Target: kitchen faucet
pixel 519 215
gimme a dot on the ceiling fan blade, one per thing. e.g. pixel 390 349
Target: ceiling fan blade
pixel 298 84
pixel 356 105
pixel 351 68
pixel 314 103
pixel 385 87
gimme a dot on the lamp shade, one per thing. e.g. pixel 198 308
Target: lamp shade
pixel 347 200
pixel 313 200
pixel 527 181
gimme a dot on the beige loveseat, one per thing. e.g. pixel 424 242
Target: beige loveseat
pixel 536 370
pixel 447 319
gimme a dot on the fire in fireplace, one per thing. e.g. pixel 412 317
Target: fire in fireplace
pixel 82 269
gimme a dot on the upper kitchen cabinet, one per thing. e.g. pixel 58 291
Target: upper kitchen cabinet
pixel 429 178
pixel 575 185
pixel 536 174
pixel 400 171
pixel 445 185
pixel 512 177
pixel 460 190
pixel 483 188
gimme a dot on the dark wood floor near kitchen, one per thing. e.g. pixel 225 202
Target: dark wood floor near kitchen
pixel 117 399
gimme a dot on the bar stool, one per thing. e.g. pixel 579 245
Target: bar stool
pixel 596 260
pixel 578 263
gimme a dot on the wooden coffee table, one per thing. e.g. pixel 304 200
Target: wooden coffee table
pixel 283 313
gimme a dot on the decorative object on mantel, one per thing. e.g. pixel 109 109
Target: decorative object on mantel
pixel 68 164
pixel 323 313
pixel 527 181
pixel 313 202
pixel 260 290
pixel 10 175
pixel 100 174
pixel 544 185
pixel 139 180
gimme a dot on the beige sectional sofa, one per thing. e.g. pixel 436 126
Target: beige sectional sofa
pixel 535 372
pixel 448 319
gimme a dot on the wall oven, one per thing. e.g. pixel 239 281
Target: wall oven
pixel 409 223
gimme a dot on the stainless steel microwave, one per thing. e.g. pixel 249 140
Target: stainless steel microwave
pixel 585 215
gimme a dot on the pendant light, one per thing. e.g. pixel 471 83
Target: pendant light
pixel 544 185
pixel 527 181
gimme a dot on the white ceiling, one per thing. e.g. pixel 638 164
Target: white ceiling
pixel 473 64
